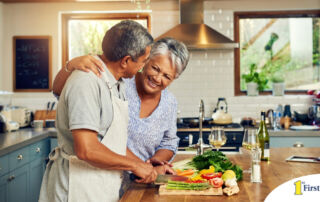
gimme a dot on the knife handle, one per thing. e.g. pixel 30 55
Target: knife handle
pixel 133 177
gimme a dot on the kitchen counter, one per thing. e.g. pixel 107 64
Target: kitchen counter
pixel 294 133
pixel 12 141
pixel 274 173
pixel 206 129
pixel 276 133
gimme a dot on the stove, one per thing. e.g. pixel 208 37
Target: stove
pixel 189 134
pixel 209 125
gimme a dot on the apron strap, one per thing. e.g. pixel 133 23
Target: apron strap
pixel 58 152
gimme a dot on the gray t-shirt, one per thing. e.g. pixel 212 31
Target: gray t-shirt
pixel 85 103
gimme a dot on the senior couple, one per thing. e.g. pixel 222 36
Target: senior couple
pixel 112 119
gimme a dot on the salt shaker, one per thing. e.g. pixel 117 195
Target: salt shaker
pixel 255 164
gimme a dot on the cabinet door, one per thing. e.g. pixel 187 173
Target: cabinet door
pixel 37 169
pixel 18 187
pixel 4 188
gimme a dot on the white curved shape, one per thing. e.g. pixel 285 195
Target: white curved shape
pixel 309 190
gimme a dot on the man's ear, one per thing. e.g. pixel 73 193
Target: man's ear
pixel 125 61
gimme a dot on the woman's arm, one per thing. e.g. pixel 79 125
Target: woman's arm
pixel 84 63
pixel 161 157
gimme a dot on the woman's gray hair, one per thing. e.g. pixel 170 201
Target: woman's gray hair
pixel 176 50
pixel 126 38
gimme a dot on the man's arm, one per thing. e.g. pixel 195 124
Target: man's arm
pixel 88 148
pixel 131 155
pixel 84 63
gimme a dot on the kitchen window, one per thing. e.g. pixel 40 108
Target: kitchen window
pixel 82 33
pixel 280 45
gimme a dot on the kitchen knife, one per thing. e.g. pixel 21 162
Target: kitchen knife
pixel 52 106
pixel 162 179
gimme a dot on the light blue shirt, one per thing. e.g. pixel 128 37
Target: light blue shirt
pixel 157 131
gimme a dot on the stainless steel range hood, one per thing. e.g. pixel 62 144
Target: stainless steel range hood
pixel 193 32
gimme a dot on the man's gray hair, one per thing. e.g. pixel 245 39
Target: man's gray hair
pixel 126 38
pixel 176 51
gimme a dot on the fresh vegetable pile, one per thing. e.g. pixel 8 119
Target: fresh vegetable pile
pixel 212 169
pixel 217 159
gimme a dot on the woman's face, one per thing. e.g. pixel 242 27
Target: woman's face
pixel 157 74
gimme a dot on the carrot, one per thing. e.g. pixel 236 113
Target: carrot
pixel 178 171
pixel 186 172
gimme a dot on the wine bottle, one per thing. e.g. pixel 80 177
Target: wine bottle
pixel 263 136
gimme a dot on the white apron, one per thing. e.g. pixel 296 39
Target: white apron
pixel 92 184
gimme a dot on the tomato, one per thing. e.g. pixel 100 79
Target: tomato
pixel 216 182
pixel 310 92
pixel 209 176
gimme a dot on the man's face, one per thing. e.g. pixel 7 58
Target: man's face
pixel 135 66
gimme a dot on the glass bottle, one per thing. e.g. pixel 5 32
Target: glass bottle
pixel 264 138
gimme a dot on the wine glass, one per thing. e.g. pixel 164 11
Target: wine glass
pixel 250 141
pixel 217 138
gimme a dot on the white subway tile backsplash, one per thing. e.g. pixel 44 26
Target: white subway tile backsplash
pixel 208 76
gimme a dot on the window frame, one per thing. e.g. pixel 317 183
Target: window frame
pixel 263 14
pixel 66 17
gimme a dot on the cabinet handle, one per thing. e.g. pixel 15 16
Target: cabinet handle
pixel 20 157
pixel 38 150
pixel 11 178
pixel 234 138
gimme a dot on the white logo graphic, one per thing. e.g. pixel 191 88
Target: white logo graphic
pixel 306 189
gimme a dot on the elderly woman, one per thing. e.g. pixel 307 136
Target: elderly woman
pixel 152 108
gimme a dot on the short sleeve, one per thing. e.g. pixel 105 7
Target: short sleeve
pixel 83 103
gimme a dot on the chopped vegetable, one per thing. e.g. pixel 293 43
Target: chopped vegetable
pixel 210 170
pixel 195 181
pixel 209 176
pixel 186 172
pixel 216 182
pixel 217 159
pixel 196 177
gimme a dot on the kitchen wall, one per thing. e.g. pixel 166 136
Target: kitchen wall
pixel 209 75
pixel 43 19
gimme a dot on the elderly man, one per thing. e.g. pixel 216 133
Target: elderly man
pixel 92 118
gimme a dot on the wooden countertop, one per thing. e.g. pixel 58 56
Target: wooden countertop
pixel 274 173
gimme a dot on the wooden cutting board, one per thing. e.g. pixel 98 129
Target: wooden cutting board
pixel 207 192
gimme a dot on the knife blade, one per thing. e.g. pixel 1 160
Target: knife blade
pixel 162 179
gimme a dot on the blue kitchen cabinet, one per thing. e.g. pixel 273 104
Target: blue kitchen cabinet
pixel 4 187
pixel 285 141
pixel 21 180
pixel 18 184
pixel 37 169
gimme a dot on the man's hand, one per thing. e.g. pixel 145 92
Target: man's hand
pixel 146 172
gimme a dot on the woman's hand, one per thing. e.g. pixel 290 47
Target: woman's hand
pixel 164 169
pixel 86 63
pixel 156 162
